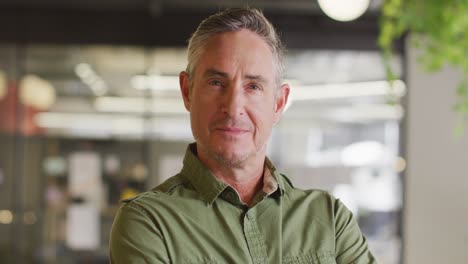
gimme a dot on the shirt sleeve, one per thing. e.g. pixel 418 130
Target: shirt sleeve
pixel 351 246
pixel 135 238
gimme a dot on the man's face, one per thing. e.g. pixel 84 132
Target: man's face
pixel 232 102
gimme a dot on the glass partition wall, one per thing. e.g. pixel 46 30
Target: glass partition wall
pixel 83 126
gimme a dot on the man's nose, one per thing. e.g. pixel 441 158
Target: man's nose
pixel 233 101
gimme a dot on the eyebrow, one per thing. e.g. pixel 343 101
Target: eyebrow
pixel 256 78
pixel 212 71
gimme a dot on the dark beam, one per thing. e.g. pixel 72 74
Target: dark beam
pixel 172 28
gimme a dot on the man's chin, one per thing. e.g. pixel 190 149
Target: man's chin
pixel 231 158
pixel 230 155
pixel 232 162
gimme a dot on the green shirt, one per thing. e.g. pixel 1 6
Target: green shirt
pixel 195 218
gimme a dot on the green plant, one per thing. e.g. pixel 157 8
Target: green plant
pixel 439 28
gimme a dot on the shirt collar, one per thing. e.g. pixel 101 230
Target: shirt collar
pixel 209 186
pixel 276 175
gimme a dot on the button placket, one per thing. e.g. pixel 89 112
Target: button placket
pixel 254 239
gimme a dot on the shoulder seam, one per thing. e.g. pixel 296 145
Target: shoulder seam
pixel 169 185
pixel 137 207
pixel 136 197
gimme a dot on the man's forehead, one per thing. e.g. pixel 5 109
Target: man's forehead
pixel 242 50
pixel 210 72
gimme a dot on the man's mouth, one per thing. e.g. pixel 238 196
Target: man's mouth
pixel 232 130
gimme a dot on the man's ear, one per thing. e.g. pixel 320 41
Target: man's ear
pixel 185 88
pixel 281 100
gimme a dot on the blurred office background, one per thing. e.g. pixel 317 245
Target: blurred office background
pixel 90 113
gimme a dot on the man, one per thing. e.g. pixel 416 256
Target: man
pixel 229 204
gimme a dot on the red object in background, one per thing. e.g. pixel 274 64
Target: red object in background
pixel 16 117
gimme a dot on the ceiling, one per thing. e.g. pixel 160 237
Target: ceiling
pixel 158 7
pixel 170 22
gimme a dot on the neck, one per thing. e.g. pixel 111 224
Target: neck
pixel 245 187
pixel 246 179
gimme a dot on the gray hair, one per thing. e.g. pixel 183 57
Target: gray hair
pixel 231 20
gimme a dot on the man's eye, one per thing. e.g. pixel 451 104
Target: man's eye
pixel 215 83
pixel 255 87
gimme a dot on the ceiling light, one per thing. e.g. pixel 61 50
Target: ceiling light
pixel 36 92
pixel 155 82
pixel 6 217
pixel 344 10
pixel 109 125
pixel 139 105
pixel 91 78
pixel 83 70
pixel 348 90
